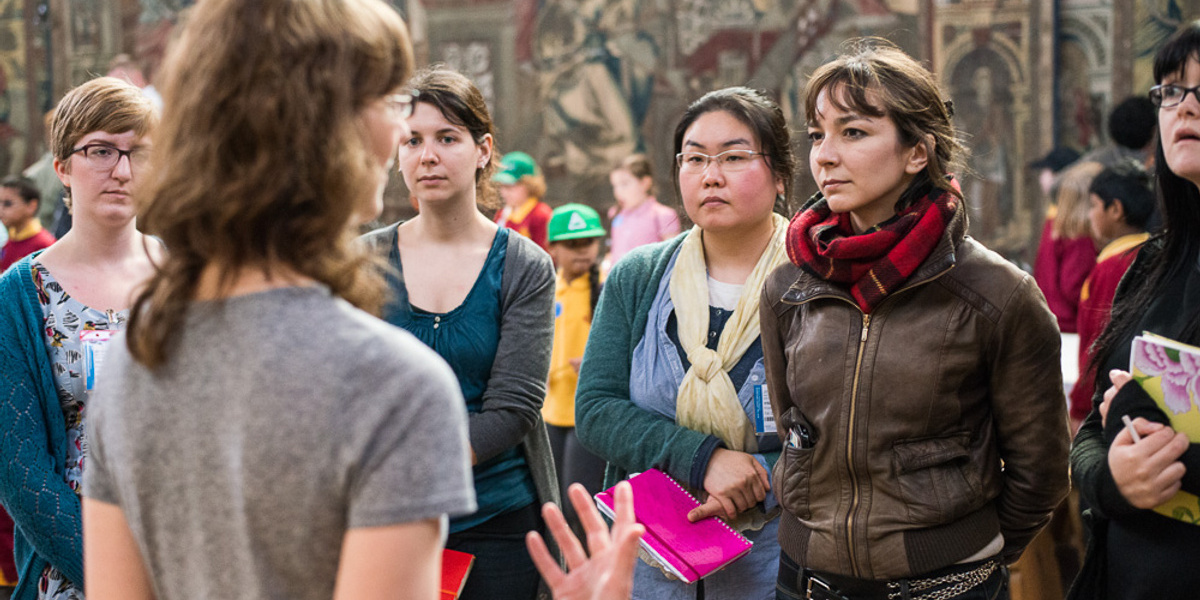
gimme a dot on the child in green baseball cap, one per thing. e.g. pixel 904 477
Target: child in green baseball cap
pixel 522 187
pixel 575 237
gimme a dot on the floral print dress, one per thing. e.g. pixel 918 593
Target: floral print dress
pixel 64 319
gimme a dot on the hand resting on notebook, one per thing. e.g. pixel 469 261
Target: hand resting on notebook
pixel 735 482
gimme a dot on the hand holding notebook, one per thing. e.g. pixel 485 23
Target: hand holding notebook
pixel 690 551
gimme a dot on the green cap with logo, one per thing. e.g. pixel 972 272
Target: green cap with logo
pixel 514 166
pixel 574 221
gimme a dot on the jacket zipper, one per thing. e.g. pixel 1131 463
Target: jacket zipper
pixel 862 344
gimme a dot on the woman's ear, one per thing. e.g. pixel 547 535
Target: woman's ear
pixel 486 146
pixel 63 170
pixel 918 156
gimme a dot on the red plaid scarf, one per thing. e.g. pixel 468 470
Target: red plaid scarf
pixel 877 262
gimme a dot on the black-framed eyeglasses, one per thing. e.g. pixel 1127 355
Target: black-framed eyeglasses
pixel 730 161
pixel 401 105
pixel 104 157
pixel 1168 95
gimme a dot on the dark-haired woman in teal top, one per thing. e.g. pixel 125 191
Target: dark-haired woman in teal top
pixel 482 299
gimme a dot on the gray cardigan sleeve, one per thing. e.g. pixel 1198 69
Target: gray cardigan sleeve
pixel 516 388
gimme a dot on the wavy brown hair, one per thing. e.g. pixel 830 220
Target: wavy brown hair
pixel 877 79
pixel 461 103
pixel 262 159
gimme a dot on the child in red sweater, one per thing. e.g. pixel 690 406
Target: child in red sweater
pixel 19 201
pixel 522 187
pixel 1121 206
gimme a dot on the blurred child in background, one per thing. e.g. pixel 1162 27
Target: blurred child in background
pixel 1121 205
pixel 19 202
pixel 522 187
pixel 637 218
pixel 1066 253
pixel 575 237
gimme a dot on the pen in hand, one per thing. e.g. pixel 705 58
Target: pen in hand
pixel 1129 425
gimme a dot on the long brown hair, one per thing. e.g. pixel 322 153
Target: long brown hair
pixel 262 158
pixel 901 89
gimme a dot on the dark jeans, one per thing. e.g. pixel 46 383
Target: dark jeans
pixel 788 585
pixel 503 569
pixel 574 463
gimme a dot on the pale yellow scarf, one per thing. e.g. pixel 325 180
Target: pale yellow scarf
pixel 707 401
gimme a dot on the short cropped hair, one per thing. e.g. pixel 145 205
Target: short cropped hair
pixel 103 104
pixel 1128 184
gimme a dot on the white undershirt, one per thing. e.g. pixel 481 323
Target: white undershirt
pixel 724 295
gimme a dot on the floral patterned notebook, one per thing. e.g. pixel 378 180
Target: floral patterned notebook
pixel 1169 371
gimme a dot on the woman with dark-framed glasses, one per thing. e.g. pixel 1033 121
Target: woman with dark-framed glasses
pixel 1130 472
pixel 673 374
pixel 51 306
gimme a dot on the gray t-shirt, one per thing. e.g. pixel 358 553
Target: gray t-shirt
pixel 279 422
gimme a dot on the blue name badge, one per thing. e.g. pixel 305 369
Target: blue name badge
pixel 764 417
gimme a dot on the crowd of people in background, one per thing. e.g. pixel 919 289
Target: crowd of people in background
pixel 213 384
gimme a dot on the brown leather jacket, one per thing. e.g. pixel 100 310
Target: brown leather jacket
pixel 937 421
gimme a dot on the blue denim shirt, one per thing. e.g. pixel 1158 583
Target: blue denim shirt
pixel 657 372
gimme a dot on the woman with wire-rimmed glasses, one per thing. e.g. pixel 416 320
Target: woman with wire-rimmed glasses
pixel 50 303
pixel 673 374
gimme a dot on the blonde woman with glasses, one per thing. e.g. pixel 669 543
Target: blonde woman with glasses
pixel 86 281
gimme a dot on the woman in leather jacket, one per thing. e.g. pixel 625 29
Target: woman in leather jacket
pixel 913 373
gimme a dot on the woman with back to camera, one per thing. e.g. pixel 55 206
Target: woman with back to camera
pixel 482 297
pixel 914 373
pixel 257 435
pixel 1148 555
pixel 673 363
pixel 86 281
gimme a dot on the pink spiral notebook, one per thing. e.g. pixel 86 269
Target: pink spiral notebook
pixel 690 551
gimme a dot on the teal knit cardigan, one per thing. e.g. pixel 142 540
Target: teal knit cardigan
pixel 33 443
pixel 606 419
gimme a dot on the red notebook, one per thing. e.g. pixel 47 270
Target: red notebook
pixel 690 551
pixel 455 567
